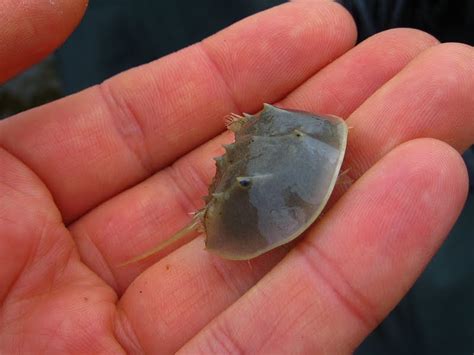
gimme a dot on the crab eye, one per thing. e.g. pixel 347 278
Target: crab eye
pixel 244 182
pixel 298 133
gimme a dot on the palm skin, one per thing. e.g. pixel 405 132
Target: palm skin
pixel 96 178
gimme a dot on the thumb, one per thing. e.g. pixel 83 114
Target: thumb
pixel 31 30
pixel 31 231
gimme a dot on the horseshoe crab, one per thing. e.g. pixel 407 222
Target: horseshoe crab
pixel 271 184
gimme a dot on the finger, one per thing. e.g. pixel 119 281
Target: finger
pixel 19 232
pixel 49 301
pixel 168 197
pixel 196 299
pixel 32 29
pixel 431 97
pixel 142 120
pixel 345 84
pixel 355 265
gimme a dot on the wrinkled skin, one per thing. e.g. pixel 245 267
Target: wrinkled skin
pixel 91 180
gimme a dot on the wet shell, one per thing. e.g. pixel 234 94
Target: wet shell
pixel 270 185
pixel 273 182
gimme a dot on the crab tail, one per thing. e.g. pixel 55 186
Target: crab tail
pixel 190 227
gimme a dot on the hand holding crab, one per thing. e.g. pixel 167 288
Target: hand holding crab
pixel 96 178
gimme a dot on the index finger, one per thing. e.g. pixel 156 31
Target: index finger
pixel 90 146
pixel 30 30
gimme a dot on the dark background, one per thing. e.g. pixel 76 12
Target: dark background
pixel 437 315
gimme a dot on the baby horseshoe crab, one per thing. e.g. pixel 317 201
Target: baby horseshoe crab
pixel 271 184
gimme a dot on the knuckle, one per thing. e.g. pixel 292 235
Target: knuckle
pixel 450 67
pixel 327 274
pixel 127 122
pixel 452 58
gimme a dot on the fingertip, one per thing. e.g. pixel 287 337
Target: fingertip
pixel 413 39
pixel 441 164
pixel 52 21
pixel 343 25
pixel 32 30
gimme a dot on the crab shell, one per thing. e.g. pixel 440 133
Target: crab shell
pixel 273 182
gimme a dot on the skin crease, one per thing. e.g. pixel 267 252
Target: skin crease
pixel 104 174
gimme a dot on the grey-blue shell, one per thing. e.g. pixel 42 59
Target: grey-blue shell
pixel 273 182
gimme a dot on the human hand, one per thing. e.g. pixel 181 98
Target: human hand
pixel 98 177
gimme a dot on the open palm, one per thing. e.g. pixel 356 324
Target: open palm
pixel 98 177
